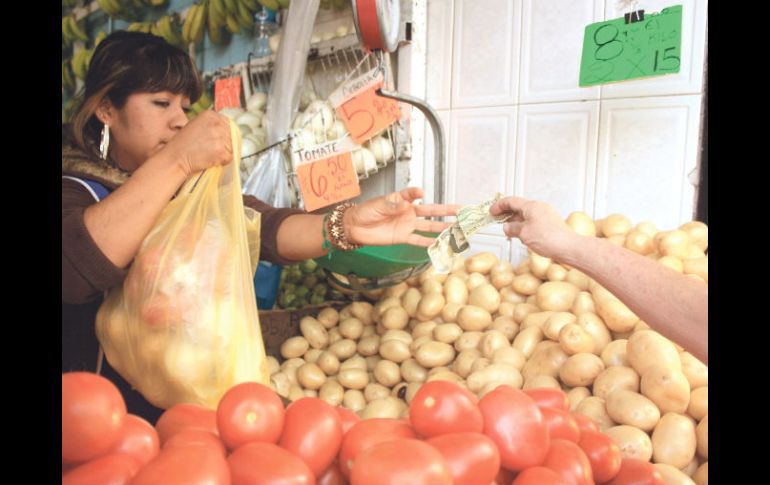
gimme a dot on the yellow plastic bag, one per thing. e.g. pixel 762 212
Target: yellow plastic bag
pixel 184 326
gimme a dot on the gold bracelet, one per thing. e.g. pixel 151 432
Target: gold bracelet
pixel 336 231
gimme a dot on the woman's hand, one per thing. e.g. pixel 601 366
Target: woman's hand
pixel 536 224
pixel 393 218
pixel 202 143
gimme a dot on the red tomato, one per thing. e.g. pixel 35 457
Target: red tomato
pixel 399 462
pixel 185 465
pixel 92 416
pixel 516 425
pixel 348 417
pixel 312 430
pixel 367 433
pixel 637 472
pixel 196 437
pixel 561 425
pixel 603 454
pixel 332 476
pixel 538 475
pixel 249 412
pixel 548 397
pixel 110 469
pixel 441 407
pixel 472 458
pixel 138 439
pixel 183 416
pixel 261 463
pixel 504 477
pixel 570 462
pixel 585 423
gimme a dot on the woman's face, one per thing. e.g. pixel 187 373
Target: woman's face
pixel 143 126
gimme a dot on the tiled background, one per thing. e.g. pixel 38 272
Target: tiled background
pixel 503 74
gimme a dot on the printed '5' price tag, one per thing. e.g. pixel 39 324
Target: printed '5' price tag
pixel 366 115
pixel 328 181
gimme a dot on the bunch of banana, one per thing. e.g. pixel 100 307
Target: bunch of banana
pixel 99 37
pixel 113 8
pixel 238 15
pixel 80 61
pixel 217 19
pixel 277 4
pixel 194 25
pixel 145 27
pixel 67 78
pixel 168 28
pixel 71 30
pixel 203 103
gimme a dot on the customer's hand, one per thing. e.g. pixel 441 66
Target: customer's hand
pixel 536 224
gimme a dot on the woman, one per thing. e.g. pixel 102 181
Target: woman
pixel 131 135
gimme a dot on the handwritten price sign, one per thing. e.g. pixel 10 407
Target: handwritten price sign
pixel 367 115
pixel 617 51
pixel 328 181
pixel 227 93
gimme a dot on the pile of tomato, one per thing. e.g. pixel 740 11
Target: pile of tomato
pixel 508 437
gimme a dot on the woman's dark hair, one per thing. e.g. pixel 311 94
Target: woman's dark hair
pixel 125 63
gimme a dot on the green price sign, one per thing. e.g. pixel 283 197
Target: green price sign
pixel 631 47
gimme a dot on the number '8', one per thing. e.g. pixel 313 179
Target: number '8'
pixel 608 45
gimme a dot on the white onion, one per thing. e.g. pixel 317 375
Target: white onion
pixel 249 119
pixel 382 149
pixel 337 131
pixel 274 41
pixel 256 101
pixel 232 113
pixel 245 130
pixel 341 31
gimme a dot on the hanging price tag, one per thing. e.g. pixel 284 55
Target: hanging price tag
pixel 227 93
pixel 367 115
pixel 326 174
pixel 364 113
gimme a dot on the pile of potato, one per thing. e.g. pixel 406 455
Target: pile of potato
pixel 541 324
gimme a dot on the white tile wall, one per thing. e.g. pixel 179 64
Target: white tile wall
pixel 486 44
pixel 481 154
pixel 552 45
pixel 647 148
pixel 689 79
pixel 439 53
pixel 556 154
pixel 499 245
pixel 503 74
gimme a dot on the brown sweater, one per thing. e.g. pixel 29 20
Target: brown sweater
pixel 86 271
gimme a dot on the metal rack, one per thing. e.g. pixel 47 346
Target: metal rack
pixel 329 63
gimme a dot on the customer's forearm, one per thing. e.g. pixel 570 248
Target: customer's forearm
pixel 671 303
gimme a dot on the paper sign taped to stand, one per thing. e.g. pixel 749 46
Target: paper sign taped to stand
pixel 326 174
pixel 362 111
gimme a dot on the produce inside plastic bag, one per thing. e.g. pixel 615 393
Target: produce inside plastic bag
pixel 184 326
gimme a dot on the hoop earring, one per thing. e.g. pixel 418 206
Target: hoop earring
pixel 104 143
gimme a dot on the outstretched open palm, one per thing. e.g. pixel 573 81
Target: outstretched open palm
pixel 393 218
